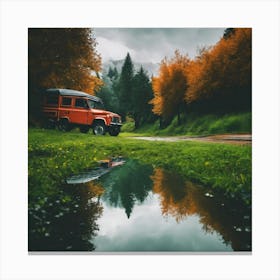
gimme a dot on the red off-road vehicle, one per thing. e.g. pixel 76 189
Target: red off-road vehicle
pixel 67 108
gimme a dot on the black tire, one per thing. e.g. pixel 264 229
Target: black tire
pixel 99 128
pixel 114 131
pixel 84 129
pixel 63 125
pixel 49 124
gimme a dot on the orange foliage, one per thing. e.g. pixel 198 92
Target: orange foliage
pixel 175 196
pixel 81 81
pixel 63 58
pixel 95 189
pixel 180 199
pixel 221 74
pixel 222 69
pixel 170 85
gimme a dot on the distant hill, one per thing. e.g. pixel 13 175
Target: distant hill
pixel 151 68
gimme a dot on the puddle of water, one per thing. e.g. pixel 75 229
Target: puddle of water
pixel 94 174
pixel 138 208
pixel 148 230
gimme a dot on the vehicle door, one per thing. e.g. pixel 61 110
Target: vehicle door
pixel 80 111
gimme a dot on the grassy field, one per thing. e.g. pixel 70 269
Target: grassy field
pixel 197 125
pixel 54 155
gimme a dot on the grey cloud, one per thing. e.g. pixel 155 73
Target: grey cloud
pixel 153 44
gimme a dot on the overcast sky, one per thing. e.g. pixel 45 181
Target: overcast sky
pixel 153 44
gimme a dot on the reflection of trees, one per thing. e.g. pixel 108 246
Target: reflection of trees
pixel 66 221
pixel 181 199
pixel 173 195
pixel 127 185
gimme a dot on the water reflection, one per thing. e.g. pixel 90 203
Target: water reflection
pixel 147 230
pixel 216 213
pixel 138 208
pixel 65 220
pixel 128 185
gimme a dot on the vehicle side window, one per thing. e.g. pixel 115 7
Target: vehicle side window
pixel 81 103
pixel 95 104
pixel 66 101
pixel 52 99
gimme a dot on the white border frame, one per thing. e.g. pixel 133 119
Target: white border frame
pixel 17 16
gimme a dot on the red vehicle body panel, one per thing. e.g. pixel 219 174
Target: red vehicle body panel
pixel 77 108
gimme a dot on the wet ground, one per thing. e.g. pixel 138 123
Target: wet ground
pixel 239 139
pixel 139 208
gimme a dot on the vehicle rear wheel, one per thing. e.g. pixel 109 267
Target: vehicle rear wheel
pixel 49 124
pixel 63 125
pixel 84 129
pixel 99 128
pixel 114 131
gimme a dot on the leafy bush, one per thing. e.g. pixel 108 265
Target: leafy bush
pixel 198 125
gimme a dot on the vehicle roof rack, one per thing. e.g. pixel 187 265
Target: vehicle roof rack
pixel 71 92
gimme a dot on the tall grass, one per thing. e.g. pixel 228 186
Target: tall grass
pixel 198 125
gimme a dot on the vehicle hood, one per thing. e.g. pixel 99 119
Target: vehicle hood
pixel 104 112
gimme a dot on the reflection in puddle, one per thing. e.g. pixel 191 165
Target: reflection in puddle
pixel 65 221
pixel 147 230
pixel 94 174
pixel 137 208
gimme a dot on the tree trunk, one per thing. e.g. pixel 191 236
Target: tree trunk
pixel 160 123
pixel 137 122
pixel 178 118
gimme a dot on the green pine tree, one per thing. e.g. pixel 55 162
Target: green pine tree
pixel 110 73
pixel 142 93
pixel 116 73
pixel 125 87
pixel 108 93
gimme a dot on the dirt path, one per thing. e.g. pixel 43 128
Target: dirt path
pixel 239 139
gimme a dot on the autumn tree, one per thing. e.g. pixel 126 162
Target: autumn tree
pixel 169 87
pixel 173 195
pixel 228 32
pixel 219 78
pixel 62 58
pixel 180 199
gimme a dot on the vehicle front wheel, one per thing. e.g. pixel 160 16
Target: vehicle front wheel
pixel 114 131
pixel 99 128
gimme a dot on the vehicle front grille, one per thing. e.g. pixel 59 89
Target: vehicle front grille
pixel 115 120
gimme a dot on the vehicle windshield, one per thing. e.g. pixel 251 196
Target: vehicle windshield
pixel 95 104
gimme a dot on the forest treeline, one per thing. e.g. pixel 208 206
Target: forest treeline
pixel 129 93
pixel 218 80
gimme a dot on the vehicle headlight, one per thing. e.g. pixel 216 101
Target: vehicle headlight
pixel 116 119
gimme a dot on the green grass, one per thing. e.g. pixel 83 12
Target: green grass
pixel 196 125
pixel 54 155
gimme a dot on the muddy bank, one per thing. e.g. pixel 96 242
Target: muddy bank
pixel 241 139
